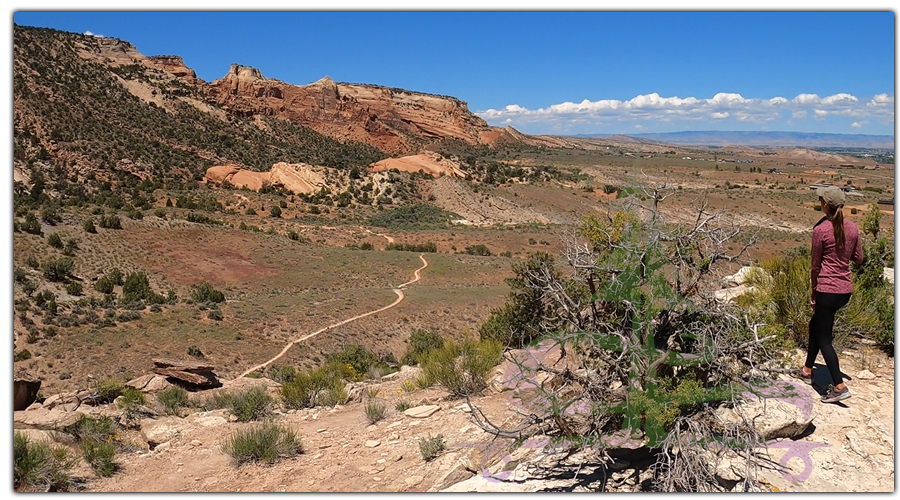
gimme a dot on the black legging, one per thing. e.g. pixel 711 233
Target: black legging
pixel 821 327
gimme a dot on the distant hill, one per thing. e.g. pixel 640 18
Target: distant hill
pixel 773 139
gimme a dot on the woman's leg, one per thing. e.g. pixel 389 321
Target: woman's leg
pixel 813 350
pixel 821 327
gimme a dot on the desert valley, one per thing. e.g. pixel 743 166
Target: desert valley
pixel 355 269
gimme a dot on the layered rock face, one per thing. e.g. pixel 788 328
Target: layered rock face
pixel 174 65
pixel 389 119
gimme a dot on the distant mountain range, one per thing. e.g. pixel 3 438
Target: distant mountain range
pixel 773 139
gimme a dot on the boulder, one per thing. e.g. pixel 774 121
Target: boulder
pixel 24 393
pixel 149 383
pixel 193 373
pixel 161 430
pixel 740 277
pixel 729 294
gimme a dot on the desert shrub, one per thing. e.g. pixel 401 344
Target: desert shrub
pixel 137 288
pixel 275 212
pixel 478 250
pixel 74 288
pixel 250 211
pixel 57 269
pixel 55 240
pixel 205 292
pixel 357 356
pixel 110 222
pixel 402 406
pixel 427 247
pixel 109 389
pixel 173 399
pixel 160 212
pixel 462 368
pixel 195 352
pixel 32 262
pixel 375 410
pixel 416 216
pixel 609 189
pixel 420 342
pixel 131 398
pixel 431 447
pixel 281 373
pixel 321 386
pixel 518 322
pixel 40 466
pixel 21 355
pixel 252 404
pixel 101 456
pixel 89 428
pixel 215 315
pixel 267 443
pixel 31 224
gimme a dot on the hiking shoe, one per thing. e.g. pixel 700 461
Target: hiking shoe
pixel 798 373
pixel 833 395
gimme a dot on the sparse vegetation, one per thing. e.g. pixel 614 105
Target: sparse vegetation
pixel 431 447
pixel 40 466
pixel 173 400
pixel 267 443
pixel 251 404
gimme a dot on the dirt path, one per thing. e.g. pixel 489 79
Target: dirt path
pixel 400 296
pixel 388 238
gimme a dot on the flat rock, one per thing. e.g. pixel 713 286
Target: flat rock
pixel 413 480
pixel 158 431
pixel 424 411
pixel 773 418
pixel 866 375
pixel 43 418
pixel 372 443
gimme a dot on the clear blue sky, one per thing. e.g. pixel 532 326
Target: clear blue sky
pixel 562 72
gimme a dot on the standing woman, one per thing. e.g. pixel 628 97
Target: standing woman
pixel 835 242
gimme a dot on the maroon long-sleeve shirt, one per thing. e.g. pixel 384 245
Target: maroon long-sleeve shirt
pixel 830 271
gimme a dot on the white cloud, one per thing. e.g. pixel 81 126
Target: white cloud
pixel 721 107
pixel 640 127
pixel 88 33
pixel 856 125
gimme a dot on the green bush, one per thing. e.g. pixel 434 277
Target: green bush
pixel 110 222
pixel 55 240
pixel 21 355
pixel 431 447
pixel 131 398
pixel 462 368
pixel 267 443
pixel 101 456
pixel 109 389
pixel 137 288
pixel 321 386
pixel 88 428
pixel 31 225
pixel 173 399
pixel 275 212
pixel 478 250
pixel 251 404
pixel 57 269
pixel 40 466
pixel 420 342
pixel 375 410
pixel 204 292
pixel 74 288
pixel 357 356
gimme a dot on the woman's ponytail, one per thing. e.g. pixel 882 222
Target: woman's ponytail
pixel 837 222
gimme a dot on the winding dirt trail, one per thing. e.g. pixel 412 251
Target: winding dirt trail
pixel 400 296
